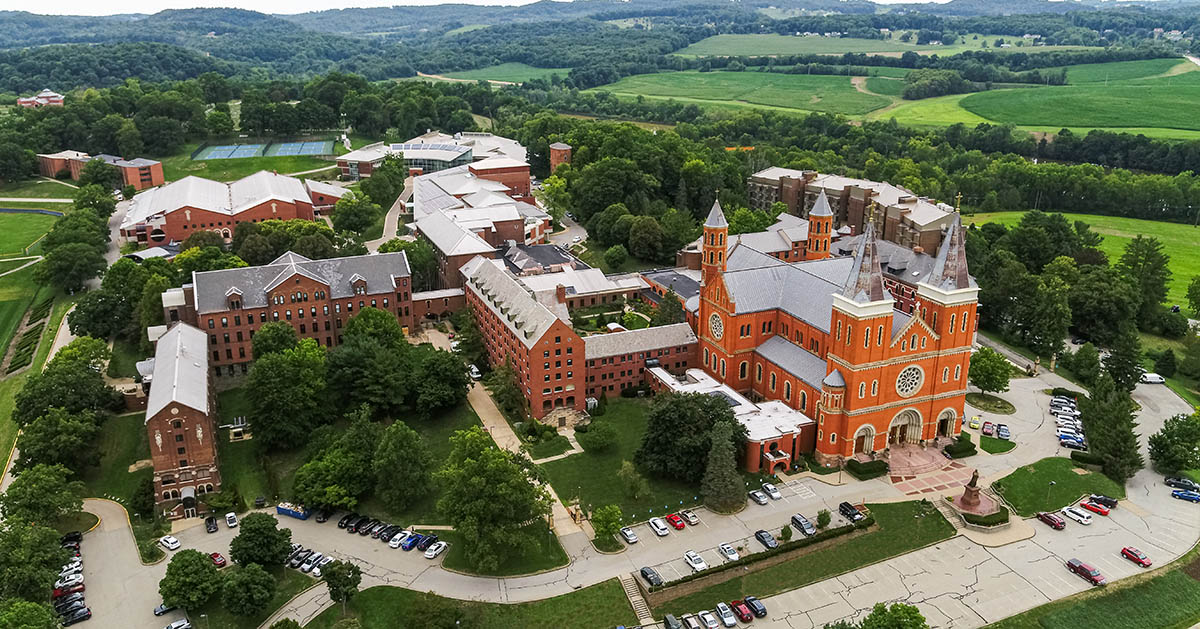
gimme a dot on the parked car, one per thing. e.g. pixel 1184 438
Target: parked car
pixel 759 497
pixel 1053 520
pixel 378 529
pixel 691 622
pixel 976 422
pixel 675 521
pixel 296 550
pixel 1179 482
pixel 163 609
pixel 180 624
pixel 694 561
pixel 347 519
pixel 850 512
pixel 1136 556
pixel 658 526
pixel 1183 494
pixel 1078 515
pixel 989 428
pixel 370 526
pixel 73 536
pixel 299 558
pixel 1072 444
pixel 435 549
pixel 628 535
pixel 67 600
pixel 411 541
pixel 1002 431
pixel 671 622
pixel 772 491
pixel 311 562
pixel 742 611
pixel 210 524
pixel 231 520
pixel 1094 507
pixel 398 539
pixel 725 615
pixel 803 525
pixel 217 559
pixel 473 371
pixel 1153 378
pixel 324 562
pixel 60 592
pixel 689 517
pixel 323 515
pixel 387 533
pixel 362 520
pixel 169 542
pixel 66 609
pixel 1085 571
pixel 68 581
pixel 1111 503
pixel 766 539
pixel 755 606
pixel 74 546
pixel 426 542
pixel 709 620
pixel 727 552
pixel 78 616
pixel 651 576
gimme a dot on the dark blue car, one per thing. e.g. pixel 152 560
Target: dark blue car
pixel 412 541
pixel 1184 494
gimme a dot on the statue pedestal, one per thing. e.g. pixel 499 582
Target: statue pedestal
pixel 970 498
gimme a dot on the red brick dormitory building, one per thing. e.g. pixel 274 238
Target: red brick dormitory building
pixel 140 173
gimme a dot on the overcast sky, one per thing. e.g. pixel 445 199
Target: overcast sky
pixel 108 7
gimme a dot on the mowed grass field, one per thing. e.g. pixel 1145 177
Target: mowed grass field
pixel 508 72
pixel 1156 105
pixel 832 94
pixel 19 230
pixel 1124 70
pixel 40 188
pixel 1179 241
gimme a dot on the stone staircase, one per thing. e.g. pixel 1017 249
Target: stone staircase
pixel 947 512
pixel 634 594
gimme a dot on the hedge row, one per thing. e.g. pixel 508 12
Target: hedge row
pixel 1086 458
pixel 960 449
pixel 1000 517
pixel 41 310
pixel 868 470
pixel 26 348
pixel 783 547
pixel 1075 395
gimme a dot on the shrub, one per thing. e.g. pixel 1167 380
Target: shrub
pixel 868 470
pixel 785 533
pixel 1067 392
pixel 598 438
pixel 823 518
pixel 992 519
pixel 961 448
pixel 634 391
pixel 1086 458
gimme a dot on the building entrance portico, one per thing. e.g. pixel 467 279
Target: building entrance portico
pixel 864 440
pixel 945 425
pixel 905 428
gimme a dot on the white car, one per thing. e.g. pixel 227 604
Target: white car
pixel 473 371
pixel 758 497
pixel 659 527
pixel 1079 515
pixel 399 539
pixel 628 535
pixel 772 491
pixel 169 542
pixel 436 549
pixel 324 562
pixel 70 569
pixel 1153 378
pixel 695 561
pixel 1066 432
pixel 576 239
pixel 727 552
pixel 726 615
pixel 180 624
pixel 311 562
pixel 709 620
pixel 231 519
pixel 68 581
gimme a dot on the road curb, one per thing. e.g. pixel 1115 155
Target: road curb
pixel 288 602
pixel 12 452
pixel 129 527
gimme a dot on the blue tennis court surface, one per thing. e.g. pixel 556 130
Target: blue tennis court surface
pixel 231 151
pixel 281 149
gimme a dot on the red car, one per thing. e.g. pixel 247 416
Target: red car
pixel 989 428
pixel 61 592
pixel 676 521
pixel 1094 507
pixel 218 560
pixel 742 611
pixel 1136 556
pixel 1085 571
pixel 1054 521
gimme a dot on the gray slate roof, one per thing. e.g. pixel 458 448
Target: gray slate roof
pixel 821 207
pixel 180 371
pixel 527 314
pixel 792 358
pixel 790 288
pixel 644 340
pixel 716 218
pixel 949 270
pixel 253 282
pixel 865 283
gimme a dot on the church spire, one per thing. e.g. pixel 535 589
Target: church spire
pixel 821 206
pixel 865 283
pixel 716 218
pixel 949 270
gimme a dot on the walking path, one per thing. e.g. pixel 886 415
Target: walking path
pixel 391 221
pixel 575 449
pixel 32 260
pixel 314 170
pixel 34 200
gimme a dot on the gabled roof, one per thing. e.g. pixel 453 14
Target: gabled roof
pixel 792 358
pixel 716 217
pixel 451 238
pixel 180 371
pixel 865 283
pixel 215 196
pixel 520 309
pixel 643 340
pixel 782 286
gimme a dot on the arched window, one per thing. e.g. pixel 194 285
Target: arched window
pixel 945 374
pixel 722 367
pixel 772 382
pixel 758 373
pixel 913 342
pixel 833 437
pixel 787 391
pixel 957 371
pixel 862 390
pixel 923 338
pixel 803 401
pixel 964 322
pixel 875 387
pixel 867 337
pixel 879 336
pixel 706 356
pixel 951 329
pixel 839 330
pixel 743 370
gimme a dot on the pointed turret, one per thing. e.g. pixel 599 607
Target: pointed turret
pixel 716 217
pixel 821 207
pixel 865 283
pixel 949 270
pixel 820 229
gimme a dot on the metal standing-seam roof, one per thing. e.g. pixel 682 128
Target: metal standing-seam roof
pixel 792 358
pixel 527 316
pixel 215 196
pixel 451 238
pixel 644 340
pixel 180 371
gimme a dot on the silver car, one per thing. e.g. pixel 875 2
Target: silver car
pixel 628 535
pixel 709 620
pixel 726 615
pixel 759 497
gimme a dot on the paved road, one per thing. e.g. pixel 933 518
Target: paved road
pixel 391 221
pixel 568 235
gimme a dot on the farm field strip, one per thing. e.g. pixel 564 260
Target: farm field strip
pixel 834 94
pixel 508 72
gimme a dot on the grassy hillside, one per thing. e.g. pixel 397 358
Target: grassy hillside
pixel 510 72
pixel 770 44
pixel 834 94
pixel 1123 70
pixel 1164 106
pixel 1179 241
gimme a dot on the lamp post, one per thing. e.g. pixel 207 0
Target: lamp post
pixel 1048 487
pixel 205 617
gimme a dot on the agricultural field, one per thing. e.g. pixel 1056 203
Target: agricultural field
pixel 800 92
pixel 885 86
pixel 771 44
pixel 1125 70
pixel 1158 105
pixel 1179 241
pixel 509 73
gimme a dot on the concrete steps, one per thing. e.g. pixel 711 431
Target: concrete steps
pixel 635 599
pixel 947 512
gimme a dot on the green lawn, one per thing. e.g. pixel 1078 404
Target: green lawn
pixel 125 355
pixel 591 475
pixel 1179 241
pixel 9 265
pixel 993 445
pixel 602 605
pixel 1029 491
pixel 17 292
pixel 123 441
pixel 543 553
pixel 10 386
pixel 39 187
pixel 801 92
pixel 1183 385
pixel 242 468
pixel 990 403
pixel 1121 105
pixel 82 521
pixel 181 165
pixel 288 583
pixel 18 231
pixel 549 447
pixel 509 72
pixel 903 527
pixel 595 259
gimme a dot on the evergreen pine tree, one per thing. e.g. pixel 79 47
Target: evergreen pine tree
pixel 1165 363
pixel 722 485
pixel 1123 361
pixel 1108 421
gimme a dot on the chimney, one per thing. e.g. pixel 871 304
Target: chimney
pixel 560 293
pixel 918 249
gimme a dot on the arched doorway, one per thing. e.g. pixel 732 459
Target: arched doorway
pixel 905 428
pixel 945 424
pixel 864 439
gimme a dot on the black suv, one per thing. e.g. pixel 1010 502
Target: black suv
pixel 73 536
pixel 1111 503
pixel 765 539
pixel 365 529
pixel 346 520
pixel 651 576
pixel 755 606
pixel 426 542
pixel 210 524
pixel 1181 483
pixel 323 515
pixel 850 513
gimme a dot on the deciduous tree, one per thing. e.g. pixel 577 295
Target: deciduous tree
pixel 342 579
pixel 669 310
pixel 289 395
pixel 247 590
pixel 71 386
pixel 615 256
pixel 355 213
pixel 191 580
pixel 677 440
pixel 990 371
pixel 1193 295
pixel 70 266
pixel 632 482
pixel 30 558
pixel 421 261
pixel 41 495
pixel 59 438
pixel 440 380
pixel 403 467
pixel 274 337
pixel 260 541
pixel 21 614
pixel 606 521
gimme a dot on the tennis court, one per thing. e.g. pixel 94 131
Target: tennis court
pixel 230 151
pixel 280 149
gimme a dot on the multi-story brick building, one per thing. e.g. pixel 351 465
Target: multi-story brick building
pixel 560 153
pixel 140 173
pixel 179 422
pixel 44 98
pixel 316 297
pixel 619 360
pixel 825 337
